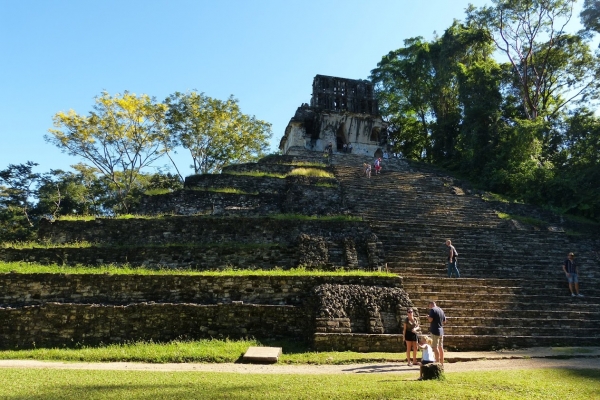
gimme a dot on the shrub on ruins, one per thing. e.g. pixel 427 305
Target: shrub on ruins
pixel 215 132
pixel 17 189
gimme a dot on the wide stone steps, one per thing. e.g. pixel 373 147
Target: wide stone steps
pixel 520 330
pixel 459 316
pixel 463 342
pixel 565 302
pixel 515 293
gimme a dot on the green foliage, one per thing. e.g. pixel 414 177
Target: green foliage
pixel 215 132
pixel 520 127
pixel 120 137
pixel 590 15
pixel 17 187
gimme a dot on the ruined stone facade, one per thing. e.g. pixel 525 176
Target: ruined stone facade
pixel 341 112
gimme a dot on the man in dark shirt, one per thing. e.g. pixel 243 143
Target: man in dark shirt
pixel 572 272
pixel 437 319
pixel 452 263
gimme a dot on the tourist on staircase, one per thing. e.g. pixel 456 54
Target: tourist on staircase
pixel 572 271
pixel 367 170
pixel 452 263
pixel 411 327
pixel 377 166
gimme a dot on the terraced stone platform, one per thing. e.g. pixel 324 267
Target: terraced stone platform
pixel 512 292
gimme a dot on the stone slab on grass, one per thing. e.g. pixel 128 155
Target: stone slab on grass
pixel 262 354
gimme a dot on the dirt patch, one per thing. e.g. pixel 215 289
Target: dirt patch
pixel 383 368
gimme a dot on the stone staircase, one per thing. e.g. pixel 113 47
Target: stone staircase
pixel 512 292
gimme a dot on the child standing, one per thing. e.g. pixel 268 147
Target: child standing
pixel 428 355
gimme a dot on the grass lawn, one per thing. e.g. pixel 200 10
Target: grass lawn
pixel 208 350
pixel 34 384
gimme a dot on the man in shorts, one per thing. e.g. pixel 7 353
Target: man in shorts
pixel 572 272
pixel 437 319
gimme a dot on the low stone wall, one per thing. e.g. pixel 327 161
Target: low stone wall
pixel 200 258
pixel 54 310
pixel 33 289
pixel 358 342
pixel 184 230
pixel 193 202
pixel 59 325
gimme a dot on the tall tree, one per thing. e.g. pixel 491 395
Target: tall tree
pixel 404 83
pixel 215 132
pixel 531 35
pixel 590 15
pixel 419 90
pixel 121 136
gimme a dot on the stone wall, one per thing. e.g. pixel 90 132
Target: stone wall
pixel 186 230
pixel 173 256
pixel 50 310
pixel 194 202
pixel 358 342
pixel 60 325
pixel 313 243
pixel 360 309
pixel 34 289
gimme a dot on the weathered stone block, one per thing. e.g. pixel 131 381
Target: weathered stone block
pixel 432 371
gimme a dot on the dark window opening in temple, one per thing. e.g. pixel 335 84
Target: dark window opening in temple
pixel 340 138
pixel 374 135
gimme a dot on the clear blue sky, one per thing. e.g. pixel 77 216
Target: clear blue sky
pixel 57 55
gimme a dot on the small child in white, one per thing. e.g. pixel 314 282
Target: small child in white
pixel 428 355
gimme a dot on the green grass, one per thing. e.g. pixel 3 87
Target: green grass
pixel 121 216
pixel 520 218
pixel 46 245
pixel 209 351
pixel 36 268
pixel 38 384
pixel 488 196
pixel 312 172
pixel 255 174
pixel 83 244
pixel 223 190
pixel 76 218
pixel 307 164
pixel 325 184
pixel 200 351
pixel 157 191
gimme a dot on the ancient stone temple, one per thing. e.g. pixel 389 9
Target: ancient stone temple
pixel 341 112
